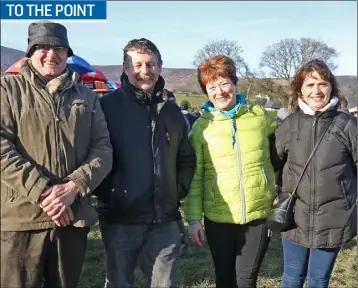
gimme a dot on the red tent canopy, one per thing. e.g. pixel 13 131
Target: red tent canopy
pixel 15 68
pixel 92 76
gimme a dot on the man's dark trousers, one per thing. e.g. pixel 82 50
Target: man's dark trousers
pixel 49 258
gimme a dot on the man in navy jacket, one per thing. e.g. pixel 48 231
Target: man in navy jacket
pixel 153 165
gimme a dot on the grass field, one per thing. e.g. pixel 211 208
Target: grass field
pixel 194 100
pixel 197 271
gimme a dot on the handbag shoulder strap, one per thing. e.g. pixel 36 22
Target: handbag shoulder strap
pixel 311 155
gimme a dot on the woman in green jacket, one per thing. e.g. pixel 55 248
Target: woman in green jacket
pixel 233 185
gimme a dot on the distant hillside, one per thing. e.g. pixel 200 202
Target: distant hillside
pixel 180 80
pixel 9 56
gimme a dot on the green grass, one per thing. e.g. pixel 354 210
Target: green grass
pixel 195 100
pixel 198 271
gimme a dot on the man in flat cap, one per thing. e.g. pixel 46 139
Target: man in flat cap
pixel 55 150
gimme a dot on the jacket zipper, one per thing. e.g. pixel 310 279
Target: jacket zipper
pixel 60 151
pixel 57 134
pixel 313 184
pixel 241 176
pixel 56 113
pixel 54 109
pixel 153 126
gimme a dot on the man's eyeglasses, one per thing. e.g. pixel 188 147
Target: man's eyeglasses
pixel 47 48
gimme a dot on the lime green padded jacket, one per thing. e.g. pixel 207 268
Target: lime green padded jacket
pixel 234 180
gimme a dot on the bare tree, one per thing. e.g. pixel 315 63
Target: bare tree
pixel 275 89
pixel 286 56
pixel 249 76
pixel 353 92
pixel 229 48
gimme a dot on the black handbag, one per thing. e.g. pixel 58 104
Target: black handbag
pixel 280 217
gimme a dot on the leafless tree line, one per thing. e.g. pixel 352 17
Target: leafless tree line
pixel 281 59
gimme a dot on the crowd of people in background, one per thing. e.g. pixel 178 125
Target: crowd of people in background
pixel 144 156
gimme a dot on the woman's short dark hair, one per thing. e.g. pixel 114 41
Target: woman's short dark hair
pixel 215 67
pixel 307 69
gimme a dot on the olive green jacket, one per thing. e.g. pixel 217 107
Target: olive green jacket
pixel 50 133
